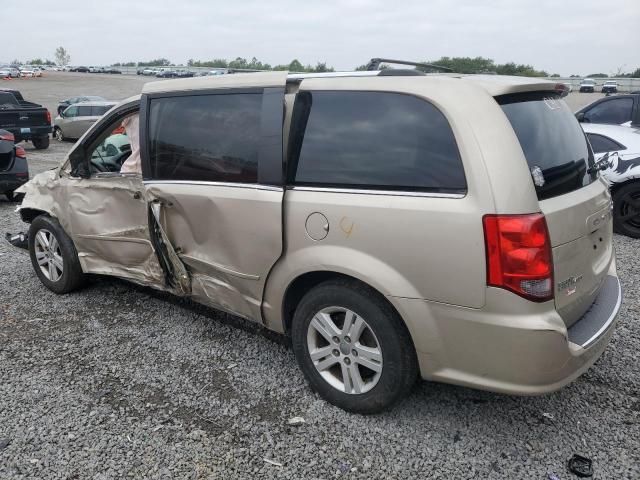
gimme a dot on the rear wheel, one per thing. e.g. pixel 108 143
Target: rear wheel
pixel 53 256
pixel 352 347
pixel 41 142
pixel 626 210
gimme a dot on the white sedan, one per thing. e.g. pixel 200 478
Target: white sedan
pixel 617 151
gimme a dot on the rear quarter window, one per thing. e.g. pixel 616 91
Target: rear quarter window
pixel 552 141
pixel 373 140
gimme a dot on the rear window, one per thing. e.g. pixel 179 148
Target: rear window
pixel 98 110
pixel 84 111
pixel 373 140
pixel 552 140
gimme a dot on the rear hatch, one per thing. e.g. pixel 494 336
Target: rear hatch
pixel 575 202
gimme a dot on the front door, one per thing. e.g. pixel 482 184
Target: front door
pixel 107 212
pixel 212 163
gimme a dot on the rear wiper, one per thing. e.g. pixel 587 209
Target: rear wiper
pixel 601 164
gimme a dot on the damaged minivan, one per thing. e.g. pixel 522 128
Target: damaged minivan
pixel 452 228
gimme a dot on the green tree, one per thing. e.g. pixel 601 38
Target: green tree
pixel 598 75
pixel 158 62
pixel 62 56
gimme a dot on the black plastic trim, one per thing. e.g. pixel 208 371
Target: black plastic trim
pixel 600 315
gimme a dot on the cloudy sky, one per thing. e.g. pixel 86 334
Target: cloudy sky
pixel 563 36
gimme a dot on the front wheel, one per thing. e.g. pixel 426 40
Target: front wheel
pixel 352 347
pixel 53 256
pixel 41 143
pixel 57 133
pixel 626 210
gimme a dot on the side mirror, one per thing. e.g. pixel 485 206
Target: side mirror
pixel 580 117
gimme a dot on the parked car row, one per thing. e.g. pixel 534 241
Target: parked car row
pixel 165 72
pixel 588 85
pixel 24 71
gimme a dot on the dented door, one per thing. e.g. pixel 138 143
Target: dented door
pixel 212 163
pixel 109 227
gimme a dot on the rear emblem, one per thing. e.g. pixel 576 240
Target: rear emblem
pixel 538 176
pixel 570 285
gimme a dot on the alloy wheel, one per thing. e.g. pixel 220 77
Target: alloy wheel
pixel 344 350
pixel 48 255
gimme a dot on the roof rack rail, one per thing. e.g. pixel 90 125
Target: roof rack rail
pixel 374 64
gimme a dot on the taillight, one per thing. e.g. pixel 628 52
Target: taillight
pixel 48 116
pixel 8 137
pixel 20 152
pixel 519 255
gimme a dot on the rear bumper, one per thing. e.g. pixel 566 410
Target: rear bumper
pixel 9 182
pixel 510 346
pixel 34 132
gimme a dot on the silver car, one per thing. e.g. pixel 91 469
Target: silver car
pixel 76 119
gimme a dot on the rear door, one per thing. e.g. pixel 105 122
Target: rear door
pixel 575 201
pixel 212 163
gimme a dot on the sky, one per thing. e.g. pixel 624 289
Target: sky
pixel 560 36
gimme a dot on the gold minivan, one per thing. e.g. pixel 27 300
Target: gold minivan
pixel 450 227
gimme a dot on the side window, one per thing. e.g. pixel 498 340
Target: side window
pixel 98 110
pixel 601 144
pixel 614 111
pixel 373 140
pixel 71 112
pixel 205 137
pixel 84 111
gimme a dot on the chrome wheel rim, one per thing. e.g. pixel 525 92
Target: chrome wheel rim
pixel 48 255
pixel 58 134
pixel 344 350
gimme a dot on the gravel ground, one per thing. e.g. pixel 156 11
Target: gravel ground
pixel 117 381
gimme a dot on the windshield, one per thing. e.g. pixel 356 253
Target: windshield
pixel 552 140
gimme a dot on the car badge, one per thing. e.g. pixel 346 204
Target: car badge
pixel 538 176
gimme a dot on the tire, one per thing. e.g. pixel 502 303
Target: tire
pixel 383 344
pixel 14 197
pixel 57 134
pixel 59 280
pixel 626 210
pixel 41 143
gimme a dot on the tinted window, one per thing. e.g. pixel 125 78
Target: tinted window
pixel 373 140
pixel 615 111
pixel 99 110
pixel 84 111
pixel 205 137
pixel 552 141
pixel 601 144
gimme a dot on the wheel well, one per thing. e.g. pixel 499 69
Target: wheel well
pixel 28 215
pixel 301 285
pixel 617 186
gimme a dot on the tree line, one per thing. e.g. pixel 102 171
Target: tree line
pixel 457 64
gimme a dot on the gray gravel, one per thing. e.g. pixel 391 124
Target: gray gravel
pixel 117 381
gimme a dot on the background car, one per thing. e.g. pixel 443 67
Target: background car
pixel 5 73
pixel 82 98
pixel 619 147
pixel 617 110
pixel 610 86
pixel 26 72
pixel 76 119
pixel 587 85
pixel 14 171
pixel 112 71
pixel 79 69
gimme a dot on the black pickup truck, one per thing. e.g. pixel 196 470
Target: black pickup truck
pixel 26 120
